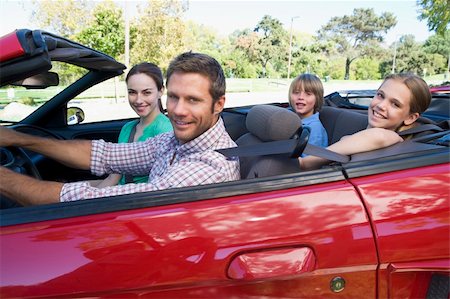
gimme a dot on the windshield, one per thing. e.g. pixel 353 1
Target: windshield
pixel 17 102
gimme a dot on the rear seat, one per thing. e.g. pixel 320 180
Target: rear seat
pixel 339 122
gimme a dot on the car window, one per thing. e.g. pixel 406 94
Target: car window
pixel 102 102
pixel 17 102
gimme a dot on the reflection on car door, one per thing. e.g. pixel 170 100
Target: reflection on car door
pixel 313 241
pixel 410 213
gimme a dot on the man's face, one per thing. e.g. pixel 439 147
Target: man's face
pixel 190 106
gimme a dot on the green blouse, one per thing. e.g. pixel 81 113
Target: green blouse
pixel 161 124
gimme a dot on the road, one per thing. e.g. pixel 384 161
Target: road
pixel 109 109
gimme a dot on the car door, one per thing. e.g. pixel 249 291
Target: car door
pixel 297 236
pixel 410 213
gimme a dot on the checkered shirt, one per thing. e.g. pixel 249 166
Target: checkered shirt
pixel 168 163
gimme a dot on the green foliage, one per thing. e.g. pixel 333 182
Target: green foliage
pixel 159 33
pixel 27 101
pixel 437 14
pixel 334 67
pixel 272 43
pixel 355 35
pixel 411 57
pixel 268 44
pixel 438 44
pixel 346 47
pixel 65 18
pixel 105 32
pixel 238 65
pixel 367 69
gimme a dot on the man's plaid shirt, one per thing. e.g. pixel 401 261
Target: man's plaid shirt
pixel 168 164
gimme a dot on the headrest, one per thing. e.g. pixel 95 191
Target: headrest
pixel 271 123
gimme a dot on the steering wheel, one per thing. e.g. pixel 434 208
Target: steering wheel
pixel 17 160
pixel 35 130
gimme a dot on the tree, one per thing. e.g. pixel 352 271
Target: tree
pixel 437 14
pixel 65 18
pixel 367 69
pixel 411 57
pixel 355 35
pixel 105 32
pixel 159 33
pixel 273 42
pixel 242 61
pixel 439 44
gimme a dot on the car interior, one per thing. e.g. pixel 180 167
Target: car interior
pixel 267 123
pixel 259 128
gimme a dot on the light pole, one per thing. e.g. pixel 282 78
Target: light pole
pixel 395 54
pixel 290 48
pixel 127 35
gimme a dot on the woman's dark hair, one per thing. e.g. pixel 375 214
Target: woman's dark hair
pixel 151 70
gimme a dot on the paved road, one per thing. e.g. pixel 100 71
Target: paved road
pixel 250 98
pixel 107 109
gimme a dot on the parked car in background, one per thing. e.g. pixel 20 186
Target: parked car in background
pixel 375 225
pixel 440 89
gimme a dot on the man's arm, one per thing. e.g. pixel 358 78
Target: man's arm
pixel 112 180
pixel 36 191
pixel 73 153
pixel 363 141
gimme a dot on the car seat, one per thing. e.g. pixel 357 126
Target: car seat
pixel 267 123
pixel 339 122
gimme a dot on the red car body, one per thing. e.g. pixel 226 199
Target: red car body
pixel 382 240
pixel 358 230
pixel 440 89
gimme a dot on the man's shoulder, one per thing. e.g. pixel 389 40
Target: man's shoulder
pixel 161 140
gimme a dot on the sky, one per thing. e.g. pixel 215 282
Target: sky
pixel 227 16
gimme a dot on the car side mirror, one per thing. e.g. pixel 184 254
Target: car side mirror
pixel 75 115
pixel 39 81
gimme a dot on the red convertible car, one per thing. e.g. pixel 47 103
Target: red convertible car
pixel 373 225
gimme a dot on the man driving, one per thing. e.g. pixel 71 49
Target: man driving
pixel 184 157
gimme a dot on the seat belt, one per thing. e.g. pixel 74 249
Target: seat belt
pixel 129 177
pixel 420 129
pixel 294 147
pixel 291 146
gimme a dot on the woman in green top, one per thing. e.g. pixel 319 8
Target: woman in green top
pixel 145 88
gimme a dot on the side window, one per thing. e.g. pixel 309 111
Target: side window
pixel 103 102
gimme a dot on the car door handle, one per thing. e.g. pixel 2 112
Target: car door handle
pixel 272 263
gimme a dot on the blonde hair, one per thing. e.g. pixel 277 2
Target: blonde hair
pixel 309 83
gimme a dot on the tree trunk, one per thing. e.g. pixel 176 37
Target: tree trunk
pixel 347 69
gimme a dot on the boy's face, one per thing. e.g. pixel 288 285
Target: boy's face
pixel 302 102
pixel 190 106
